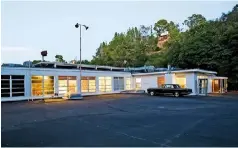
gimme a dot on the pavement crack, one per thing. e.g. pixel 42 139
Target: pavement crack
pixel 116 108
pixel 168 141
pixel 121 133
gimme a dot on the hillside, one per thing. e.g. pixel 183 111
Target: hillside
pixel 206 44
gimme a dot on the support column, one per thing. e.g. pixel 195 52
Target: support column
pixel 27 84
pixel 78 79
pixel 191 82
pixel 10 86
pixel 209 85
pixel 112 83
pixel 97 84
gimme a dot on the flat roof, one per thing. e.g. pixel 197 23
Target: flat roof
pixel 219 78
pixel 177 71
pixel 136 71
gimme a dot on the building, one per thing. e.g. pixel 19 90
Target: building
pixel 47 79
pixel 163 38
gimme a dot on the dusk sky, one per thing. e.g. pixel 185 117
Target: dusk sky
pixel 30 27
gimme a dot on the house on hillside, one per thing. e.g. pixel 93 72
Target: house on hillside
pixel 163 38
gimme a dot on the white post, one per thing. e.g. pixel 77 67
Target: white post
pixel 56 84
pixel 10 86
pixel 78 84
pixel 191 82
pixel 97 84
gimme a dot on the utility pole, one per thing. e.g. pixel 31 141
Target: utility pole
pixel 80 58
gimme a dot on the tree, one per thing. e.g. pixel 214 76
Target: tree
pixel 83 62
pixel 59 58
pixel 211 45
pixel 161 26
pixel 195 20
pixel 36 61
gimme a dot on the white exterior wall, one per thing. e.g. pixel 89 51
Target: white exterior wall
pixel 147 81
pixel 28 72
pixel 170 78
pixel 209 89
pixel 191 82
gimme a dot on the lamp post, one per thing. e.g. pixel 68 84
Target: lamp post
pixel 80 59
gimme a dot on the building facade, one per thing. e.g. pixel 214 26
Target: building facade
pixel 22 83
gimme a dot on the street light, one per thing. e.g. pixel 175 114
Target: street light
pixel 80 60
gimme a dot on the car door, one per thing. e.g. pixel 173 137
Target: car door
pixel 166 89
pixel 170 89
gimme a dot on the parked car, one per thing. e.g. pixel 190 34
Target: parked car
pixel 173 89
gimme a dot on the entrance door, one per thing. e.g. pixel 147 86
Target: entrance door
pixel 215 85
pixel 160 81
pixel 202 86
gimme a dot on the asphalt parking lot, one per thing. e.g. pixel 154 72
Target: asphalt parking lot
pixel 123 120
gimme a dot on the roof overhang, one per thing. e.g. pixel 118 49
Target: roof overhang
pixel 151 73
pixel 194 71
pixel 177 71
pixel 219 78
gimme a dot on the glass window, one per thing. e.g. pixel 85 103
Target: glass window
pixel 168 86
pixel 138 83
pixel 42 85
pixel 128 83
pixel 48 85
pixel 181 81
pixel 118 83
pixel 12 85
pixel 18 88
pixel 105 84
pixel 37 85
pixel 5 85
pixel 88 84
pixel 160 81
pixel 67 84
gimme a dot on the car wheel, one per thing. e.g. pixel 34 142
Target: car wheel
pixel 152 93
pixel 176 94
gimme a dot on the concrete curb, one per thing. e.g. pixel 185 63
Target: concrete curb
pixel 54 100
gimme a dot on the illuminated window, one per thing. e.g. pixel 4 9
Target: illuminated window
pixel 181 81
pixel 42 85
pixel 105 84
pixel 128 83
pixel 138 83
pixel 118 83
pixel 37 85
pixel 48 85
pixel 88 84
pixel 67 84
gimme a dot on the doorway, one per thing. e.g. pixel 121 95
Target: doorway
pixel 202 86
pixel 219 85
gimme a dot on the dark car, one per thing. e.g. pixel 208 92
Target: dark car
pixel 173 89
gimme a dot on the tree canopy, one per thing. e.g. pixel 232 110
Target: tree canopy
pixel 206 44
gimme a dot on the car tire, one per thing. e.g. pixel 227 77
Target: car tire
pixel 152 93
pixel 176 94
